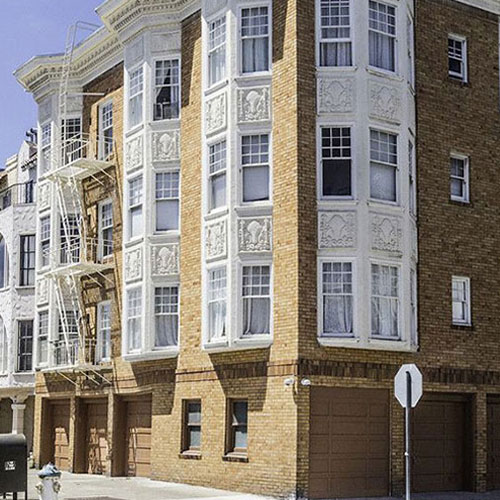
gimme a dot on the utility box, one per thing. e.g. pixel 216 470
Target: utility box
pixel 13 464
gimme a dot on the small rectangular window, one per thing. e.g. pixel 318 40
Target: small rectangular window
pixel 461 300
pixel 136 223
pixel 106 132
pixel 167 89
pixel 103 351
pixel 25 346
pixel 72 140
pixel 45 241
pixel 192 426
pixel 338 298
pixel 459 178
pixel 256 294
pixel 27 258
pixel 105 229
pixel 43 337
pixel 237 427
pixel 46 148
pixel 336 158
pixel 383 165
pixel 335 47
pixel 134 319
pixel 255 164
pixel 385 301
pixel 136 93
pixel 70 239
pixel 255 39
pixel 167 201
pixel 382 36
pixel 217 158
pixel 457 57
pixel 217 289
pixel 166 316
pixel 217 50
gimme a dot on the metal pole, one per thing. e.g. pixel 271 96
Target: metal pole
pixel 407 435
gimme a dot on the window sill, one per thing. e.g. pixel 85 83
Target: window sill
pixel 327 70
pixel 137 357
pixel 391 75
pixel 25 287
pixel 216 213
pixel 458 80
pixel 391 205
pixel 190 455
pixel 240 344
pixel 464 327
pixel 133 242
pixel 216 86
pixel 253 210
pixel 460 203
pixel 369 344
pixel 260 75
pixel 135 129
pixel 235 457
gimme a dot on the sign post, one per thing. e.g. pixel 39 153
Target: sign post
pixel 408 390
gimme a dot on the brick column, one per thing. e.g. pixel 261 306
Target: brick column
pixel 480 455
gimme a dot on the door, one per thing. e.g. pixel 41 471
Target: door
pixel 494 444
pixel 96 437
pixel 441 451
pixel 59 413
pixel 138 437
pixel 349 443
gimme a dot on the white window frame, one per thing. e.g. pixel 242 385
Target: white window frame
pixel 211 176
pixel 154 87
pixel 47 336
pixel 4 349
pixel 465 180
pixel 138 317
pixel 100 339
pixel 252 5
pixel 45 148
pixel 465 281
pixel 174 170
pixel 395 37
pixel 21 263
pixel 463 41
pixel 211 50
pixel 395 166
pixel 43 241
pixel 321 333
pixel 412 176
pixel 101 228
pixel 131 96
pixel 320 40
pixel 103 143
pixel 224 339
pixel 135 206
pixel 410 42
pixel 165 284
pixel 5 265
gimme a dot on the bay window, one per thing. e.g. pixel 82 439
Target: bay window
pixel 167 201
pixel 217 50
pixel 217 159
pixel 134 319
pixel 255 164
pixel 382 36
pixel 166 316
pixel 385 301
pixel 336 159
pixel 383 165
pixel 167 89
pixel 255 29
pixel 335 46
pixel 217 304
pixel 136 95
pixel 135 223
pixel 256 293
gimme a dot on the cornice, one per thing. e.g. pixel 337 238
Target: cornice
pixel 492 6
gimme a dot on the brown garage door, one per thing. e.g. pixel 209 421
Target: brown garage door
pixel 440 444
pixel 494 444
pixel 59 415
pixel 349 443
pixel 96 437
pixel 138 432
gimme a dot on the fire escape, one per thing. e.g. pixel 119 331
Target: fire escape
pixel 76 257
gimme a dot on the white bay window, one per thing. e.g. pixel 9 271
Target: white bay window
pixel 255 46
pixel 217 162
pixel 382 36
pixel 167 201
pixel 335 46
pixel 134 319
pixel 256 294
pixel 135 223
pixel 166 309
pixel 136 96
pixel 255 164
pixel 383 165
pixel 167 90
pixel 385 301
pixel 217 304
pixel 336 161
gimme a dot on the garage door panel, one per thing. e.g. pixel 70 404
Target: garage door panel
pixel 349 409
pixel 139 437
pixel 319 444
pixel 60 411
pixel 343 428
pixel 350 446
pixel 493 443
pixel 97 437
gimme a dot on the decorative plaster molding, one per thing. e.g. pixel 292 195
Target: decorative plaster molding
pixel 335 95
pixel 385 102
pixel 133 264
pixel 254 104
pixel 44 191
pixel 134 153
pixel 386 233
pixel 165 260
pixel 337 230
pixel 166 145
pixel 255 234
pixel 216 240
pixel 216 115
pixel 42 291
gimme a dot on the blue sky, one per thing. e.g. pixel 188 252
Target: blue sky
pixel 30 27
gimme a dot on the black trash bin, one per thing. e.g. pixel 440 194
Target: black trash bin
pixel 13 465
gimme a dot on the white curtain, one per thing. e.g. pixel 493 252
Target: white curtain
pixel 134 334
pixel 335 54
pixel 337 314
pixel 166 330
pixel 136 225
pixel 217 65
pixel 256 315
pixel 218 191
pixel 382 51
pixel 255 183
pixel 382 182
pixel 255 54
pixel 217 319
pixel 135 110
pixel 385 305
pixel 167 215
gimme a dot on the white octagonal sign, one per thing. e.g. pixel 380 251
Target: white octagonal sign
pixel 401 385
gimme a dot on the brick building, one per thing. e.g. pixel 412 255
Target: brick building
pixel 238 211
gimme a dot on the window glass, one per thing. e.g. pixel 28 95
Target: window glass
pixel 45 240
pixel 43 337
pixel 167 201
pixel 4 264
pixel 335 33
pixel 382 36
pixel 134 321
pixel 336 161
pixel 385 301
pixel 25 346
pixel 255 39
pixel 167 89
pixel 456 57
pixel 461 300
pixel 217 289
pixel 383 165
pixel 106 229
pixel 106 139
pixel 255 163
pixel 239 426
pixel 4 347
pixel 459 179
pixel 136 90
pixel 217 50
pixel 217 174
pixel 104 332
pixel 337 298
pixel 135 207
pixel 256 300
pixel 166 316
pixel 27 258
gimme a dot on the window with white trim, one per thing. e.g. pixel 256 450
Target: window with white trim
pixel 217 162
pixel 136 96
pixel 27 260
pixel 383 165
pixel 69 233
pixel 105 242
pixel 336 161
pixel 166 316
pixel 217 50
pixel 67 345
pixel 43 337
pixel 45 148
pixel 217 304
pixel 412 179
pixel 25 346
pixel 135 223
pixel 72 140
pixel 457 57
pixel 254 31
pixel 385 301
pixel 106 132
pixel 167 201
pixel 461 300
pixel 45 241
pixel 167 89
pixel 256 293
pixel 4 347
pixel 335 45
pixel 255 165
pixel 337 298
pixel 134 319
pixel 410 50
pixel 103 347
pixel 4 263
pixel 382 36
pixel 459 178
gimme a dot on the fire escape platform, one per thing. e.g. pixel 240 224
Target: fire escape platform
pixel 79 169
pixel 79 269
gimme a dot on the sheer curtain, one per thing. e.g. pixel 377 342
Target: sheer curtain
pixel 335 54
pixel 338 314
pixel 256 315
pixel 166 330
pixel 217 319
pixel 255 54
pixel 381 51
pixel 385 302
pixel 255 183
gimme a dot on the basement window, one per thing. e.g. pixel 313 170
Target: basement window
pixel 191 439
pixel 237 430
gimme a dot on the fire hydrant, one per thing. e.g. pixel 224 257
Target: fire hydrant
pixel 49 487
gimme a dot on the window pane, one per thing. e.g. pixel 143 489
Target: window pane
pixel 382 182
pixel 194 413
pixel 385 301
pixel 256 183
pixel 3 263
pixel 255 39
pixel 166 316
pixel 337 298
pixel 218 191
pixel 167 102
pixel 167 215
